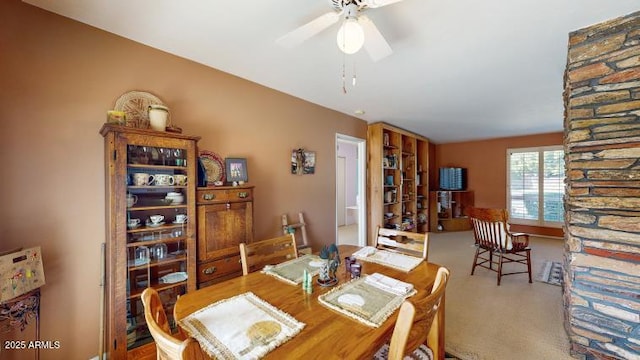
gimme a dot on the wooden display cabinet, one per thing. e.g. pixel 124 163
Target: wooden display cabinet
pixel 450 210
pixel 225 219
pixel 397 181
pixel 160 255
pixel 422 186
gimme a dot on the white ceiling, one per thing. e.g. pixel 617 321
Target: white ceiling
pixel 460 70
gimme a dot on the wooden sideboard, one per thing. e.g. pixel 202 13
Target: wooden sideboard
pixel 225 219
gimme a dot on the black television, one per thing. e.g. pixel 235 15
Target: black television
pixel 452 178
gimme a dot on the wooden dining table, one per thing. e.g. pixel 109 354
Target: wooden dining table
pixel 328 334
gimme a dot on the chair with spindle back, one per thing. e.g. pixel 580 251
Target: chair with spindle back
pixel 254 256
pixel 406 242
pixel 416 334
pixel 492 237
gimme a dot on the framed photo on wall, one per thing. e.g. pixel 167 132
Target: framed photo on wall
pixel 236 169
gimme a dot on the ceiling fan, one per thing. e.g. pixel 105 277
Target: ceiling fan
pixel 356 30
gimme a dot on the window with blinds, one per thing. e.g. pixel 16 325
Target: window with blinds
pixel 535 185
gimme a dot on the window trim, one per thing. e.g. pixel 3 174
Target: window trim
pixel 540 150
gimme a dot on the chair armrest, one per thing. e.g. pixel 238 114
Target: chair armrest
pixel 520 240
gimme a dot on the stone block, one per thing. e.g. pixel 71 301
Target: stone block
pixel 618 134
pixel 591 335
pixel 619 107
pixel 616 312
pixel 580 113
pixel 623 223
pixel 633 85
pixel 616 192
pixel 589 72
pixel 621 76
pixel 601 324
pixel 625 175
pixel 621 352
pixel 599 98
pixel 625 153
pixel 614 278
pixel 611 246
pixel 628 62
pixel 590 50
pixel 602 164
pixel 578 124
pixel 574 244
pixel 580 156
pixel 575 174
pixel 599 262
pixel 578 191
pixel 580 218
pixel 579 135
pixel 621 128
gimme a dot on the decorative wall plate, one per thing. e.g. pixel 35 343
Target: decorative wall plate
pixel 213 166
pixel 135 105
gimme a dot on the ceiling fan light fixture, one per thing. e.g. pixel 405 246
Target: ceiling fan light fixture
pixel 350 36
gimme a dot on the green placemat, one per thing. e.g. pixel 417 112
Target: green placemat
pixel 291 271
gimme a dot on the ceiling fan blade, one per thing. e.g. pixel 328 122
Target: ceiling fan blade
pixel 379 3
pixel 299 35
pixel 374 42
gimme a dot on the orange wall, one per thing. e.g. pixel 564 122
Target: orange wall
pixel 486 164
pixel 59 77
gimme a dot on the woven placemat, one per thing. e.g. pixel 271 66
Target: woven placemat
pixel 292 271
pixel 240 327
pixel 391 259
pixel 359 300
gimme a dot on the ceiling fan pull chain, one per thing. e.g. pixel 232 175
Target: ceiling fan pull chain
pixel 353 80
pixel 344 86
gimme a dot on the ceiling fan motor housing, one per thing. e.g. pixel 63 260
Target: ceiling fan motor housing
pixel 339 5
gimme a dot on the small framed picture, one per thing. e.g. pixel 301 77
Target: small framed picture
pixel 303 162
pixel 236 169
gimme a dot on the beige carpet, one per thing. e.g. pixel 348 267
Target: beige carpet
pixel 515 320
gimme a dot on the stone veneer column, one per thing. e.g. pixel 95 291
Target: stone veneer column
pixel 602 202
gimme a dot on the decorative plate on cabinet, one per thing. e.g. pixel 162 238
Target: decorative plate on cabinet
pixel 213 166
pixel 135 105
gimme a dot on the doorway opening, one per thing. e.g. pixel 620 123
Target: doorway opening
pixel 351 206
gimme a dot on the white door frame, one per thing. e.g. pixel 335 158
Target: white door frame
pixel 362 185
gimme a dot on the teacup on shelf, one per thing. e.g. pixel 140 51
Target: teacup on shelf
pixel 156 219
pixel 164 180
pixel 133 223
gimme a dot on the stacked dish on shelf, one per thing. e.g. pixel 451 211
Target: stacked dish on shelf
pixel 175 197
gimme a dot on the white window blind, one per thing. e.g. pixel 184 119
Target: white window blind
pixel 536 185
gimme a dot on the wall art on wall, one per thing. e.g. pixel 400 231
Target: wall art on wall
pixel 236 169
pixel 303 162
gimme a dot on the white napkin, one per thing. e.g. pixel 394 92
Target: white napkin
pixel 389 284
pixel 365 251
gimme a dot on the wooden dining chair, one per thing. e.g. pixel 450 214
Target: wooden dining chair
pixel 406 242
pixel 416 334
pixel 493 239
pixel 168 347
pixel 256 255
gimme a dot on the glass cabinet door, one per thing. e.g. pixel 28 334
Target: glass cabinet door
pixel 150 230
pixel 156 245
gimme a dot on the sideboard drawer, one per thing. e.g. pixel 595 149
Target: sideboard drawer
pixel 218 268
pixel 216 196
